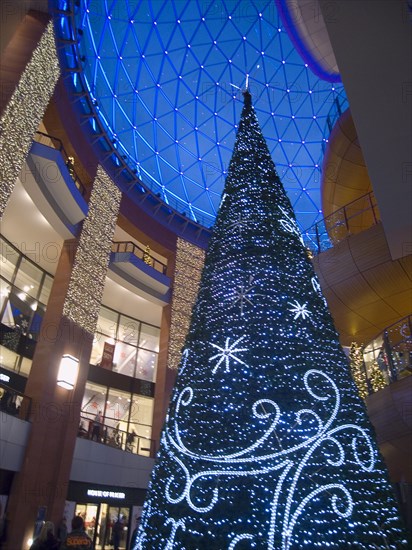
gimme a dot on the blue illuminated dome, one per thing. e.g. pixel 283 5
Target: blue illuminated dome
pixel 165 79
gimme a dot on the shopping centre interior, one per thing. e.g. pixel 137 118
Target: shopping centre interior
pixel 118 121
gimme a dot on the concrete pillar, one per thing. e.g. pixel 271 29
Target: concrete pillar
pixel 187 269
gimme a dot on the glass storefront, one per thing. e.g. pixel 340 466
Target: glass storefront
pixel 131 345
pixel 108 512
pixel 103 522
pixel 126 418
pixel 388 357
pixel 24 293
pixel 135 345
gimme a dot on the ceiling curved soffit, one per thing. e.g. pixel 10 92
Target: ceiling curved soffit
pixel 305 25
pixel 365 289
pixel 345 176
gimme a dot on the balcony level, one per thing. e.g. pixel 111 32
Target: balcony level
pixel 365 288
pixel 92 461
pixel 51 180
pixel 136 269
pixel 384 379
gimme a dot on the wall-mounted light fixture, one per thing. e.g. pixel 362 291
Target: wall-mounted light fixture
pixel 68 371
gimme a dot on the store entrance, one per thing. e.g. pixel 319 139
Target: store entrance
pixel 104 524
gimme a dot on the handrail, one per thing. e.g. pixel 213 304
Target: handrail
pixel 14 402
pixel 119 439
pixel 339 105
pixel 388 357
pixel 128 246
pixel 348 220
pixel 68 160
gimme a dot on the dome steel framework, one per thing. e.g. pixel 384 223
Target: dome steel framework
pixel 164 80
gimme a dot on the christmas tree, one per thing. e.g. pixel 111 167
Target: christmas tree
pixel 358 369
pixel 266 443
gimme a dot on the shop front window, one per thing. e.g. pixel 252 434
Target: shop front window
pixel 9 359
pixel 94 401
pixel 101 344
pixel 89 514
pixel 20 312
pixel 28 279
pixel 25 366
pixel 117 409
pixel 9 258
pixel 388 357
pixel 24 292
pixel 107 322
pixel 141 414
pixel 146 365
pixel 4 292
pixel 119 522
pixel 126 419
pixel 125 345
pixel 46 289
pixel 149 337
pixel 129 330
pixel 124 360
pixel 105 524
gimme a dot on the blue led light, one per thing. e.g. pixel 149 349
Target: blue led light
pixel 174 63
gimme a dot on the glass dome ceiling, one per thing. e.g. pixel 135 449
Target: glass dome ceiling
pixel 166 78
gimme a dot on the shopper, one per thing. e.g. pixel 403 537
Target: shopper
pixel 117 533
pixel 97 423
pixel 62 531
pixel 78 539
pixel 46 539
pixel 133 538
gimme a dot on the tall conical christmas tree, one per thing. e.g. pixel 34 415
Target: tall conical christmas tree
pixel 266 443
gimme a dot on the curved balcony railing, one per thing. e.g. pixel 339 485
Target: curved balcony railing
pixel 56 143
pixel 12 402
pixel 388 358
pixel 128 246
pixel 339 105
pixel 114 437
pixel 352 218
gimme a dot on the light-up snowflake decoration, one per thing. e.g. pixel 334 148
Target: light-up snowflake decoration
pixel 244 294
pixel 238 224
pixel 300 310
pixel 227 353
pixel 24 324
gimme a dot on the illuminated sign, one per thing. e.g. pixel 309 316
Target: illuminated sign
pixel 105 494
pixel 4 377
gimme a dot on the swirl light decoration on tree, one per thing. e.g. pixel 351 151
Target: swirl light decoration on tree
pixel 266 444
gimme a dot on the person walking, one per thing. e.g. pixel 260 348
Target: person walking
pixel 117 533
pixel 78 539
